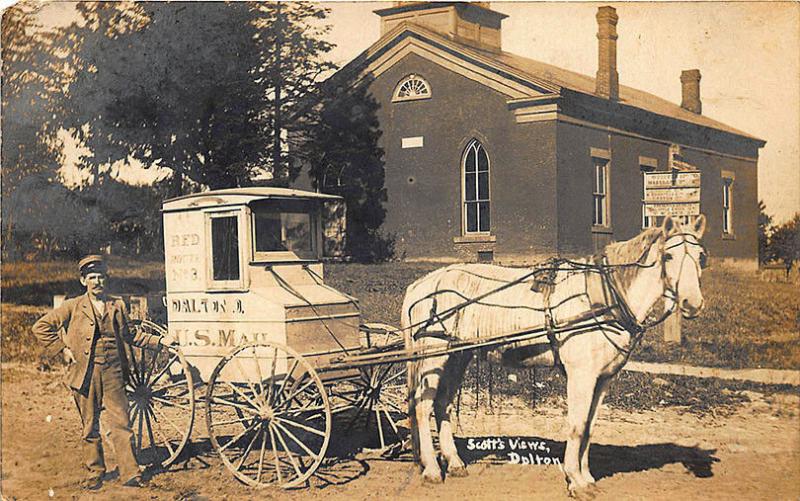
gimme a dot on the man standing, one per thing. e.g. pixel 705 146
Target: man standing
pixel 96 329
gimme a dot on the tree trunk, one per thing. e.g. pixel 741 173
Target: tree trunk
pixel 278 85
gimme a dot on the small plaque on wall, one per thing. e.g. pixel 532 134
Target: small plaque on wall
pixel 412 142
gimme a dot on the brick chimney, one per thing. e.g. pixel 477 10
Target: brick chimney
pixel 607 82
pixel 690 91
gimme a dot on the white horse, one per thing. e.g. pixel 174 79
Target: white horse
pixel 595 310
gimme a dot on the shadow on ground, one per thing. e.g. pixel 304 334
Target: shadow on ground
pixel 345 459
pixel 606 460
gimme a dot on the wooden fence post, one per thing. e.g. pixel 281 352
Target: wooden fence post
pixel 672 327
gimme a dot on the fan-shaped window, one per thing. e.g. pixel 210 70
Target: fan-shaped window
pixel 412 87
pixel 475 167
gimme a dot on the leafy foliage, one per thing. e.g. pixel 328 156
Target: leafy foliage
pixel 764 222
pixel 208 90
pixel 219 93
pixel 346 160
pixel 784 243
pixel 31 97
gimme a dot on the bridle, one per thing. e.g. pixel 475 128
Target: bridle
pixel 687 239
pixel 626 317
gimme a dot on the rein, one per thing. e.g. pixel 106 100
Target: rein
pixel 627 319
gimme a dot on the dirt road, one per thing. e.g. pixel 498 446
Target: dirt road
pixel 753 453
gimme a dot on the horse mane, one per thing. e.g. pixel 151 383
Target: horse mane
pixel 630 252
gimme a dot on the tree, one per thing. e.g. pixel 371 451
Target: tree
pixel 764 223
pixel 347 160
pixel 208 90
pixel 784 243
pixel 31 95
pixel 41 217
pixel 291 37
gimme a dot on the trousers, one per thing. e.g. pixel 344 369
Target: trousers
pixel 106 394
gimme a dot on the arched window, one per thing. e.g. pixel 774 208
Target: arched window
pixel 475 166
pixel 412 87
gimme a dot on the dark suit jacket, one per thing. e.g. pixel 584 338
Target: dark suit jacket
pixel 77 317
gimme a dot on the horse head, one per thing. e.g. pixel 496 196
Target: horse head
pixel 665 261
pixel 683 258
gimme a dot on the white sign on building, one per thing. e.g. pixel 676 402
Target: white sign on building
pixel 675 193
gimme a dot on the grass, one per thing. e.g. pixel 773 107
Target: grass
pixel 747 322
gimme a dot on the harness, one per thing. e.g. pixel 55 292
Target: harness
pixel 617 305
pixel 614 308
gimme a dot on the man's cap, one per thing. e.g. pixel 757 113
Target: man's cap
pixel 92 264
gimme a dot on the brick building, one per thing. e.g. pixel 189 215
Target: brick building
pixel 490 155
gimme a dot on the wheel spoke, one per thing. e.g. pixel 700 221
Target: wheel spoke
pixel 152 366
pixel 141 423
pixel 261 457
pixel 149 428
pixel 296 440
pixel 171 385
pixel 132 368
pixel 272 373
pixel 393 377
pixel 391 422
pixel 380 428
pixel 289 453
pixel 301 426
pixel 169 421
pixel 164 369
pixel 249 383
pixel 261 391
pixel 161 434
pixel 170 403
pixel 296 392
pixel 240 435
pixel 243 395
pixel 288 375
pixel 220 400
pixel 246 451
pixel 142 365
pixel 231 421
pixel 275 453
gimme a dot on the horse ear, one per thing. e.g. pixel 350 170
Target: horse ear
pixel 699 226
pixel 669 226
pixel 654 234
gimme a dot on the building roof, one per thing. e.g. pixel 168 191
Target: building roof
pixel 544 77
pixel 241 196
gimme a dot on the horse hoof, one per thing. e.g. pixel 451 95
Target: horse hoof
pixel 429 477
pixel 458 472
pixel 584 493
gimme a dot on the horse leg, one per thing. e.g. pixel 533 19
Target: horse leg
pixel 580 394
pixel 443 406
pixel 601 387
pixel 424 395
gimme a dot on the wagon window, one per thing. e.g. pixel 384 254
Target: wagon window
pixel 285 232
pixel 225 248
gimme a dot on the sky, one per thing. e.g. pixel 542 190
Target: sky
pixel 748 54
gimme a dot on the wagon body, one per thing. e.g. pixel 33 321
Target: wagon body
pixel 244 266
pixel 259 337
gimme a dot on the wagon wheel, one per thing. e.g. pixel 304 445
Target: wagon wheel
pixel 268 415
pixel 376 403
pixel 161 397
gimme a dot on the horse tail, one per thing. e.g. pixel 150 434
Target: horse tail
pixel 412 380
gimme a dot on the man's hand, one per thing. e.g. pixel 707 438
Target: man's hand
pixel 167 340
pixel 69 358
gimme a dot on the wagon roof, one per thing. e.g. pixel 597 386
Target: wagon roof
pixel 236 196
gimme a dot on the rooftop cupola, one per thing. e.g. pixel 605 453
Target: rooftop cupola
pixel 471 23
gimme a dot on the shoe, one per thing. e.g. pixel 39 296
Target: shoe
pixel 92 482
pixel 134 481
